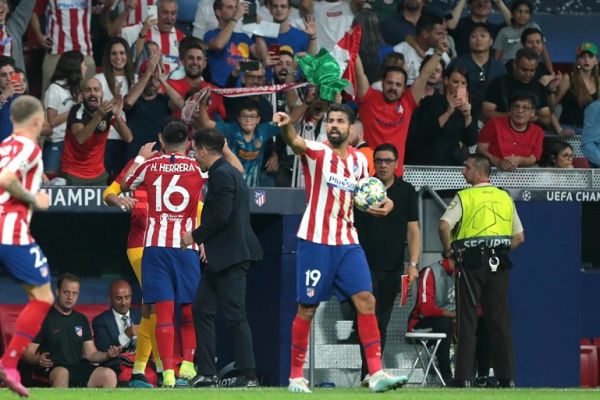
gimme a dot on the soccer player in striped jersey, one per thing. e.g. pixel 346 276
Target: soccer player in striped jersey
pixel 169 274
pixel 21 173
pixel 329 259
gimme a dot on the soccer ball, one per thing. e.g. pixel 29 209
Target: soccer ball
pixel 369 192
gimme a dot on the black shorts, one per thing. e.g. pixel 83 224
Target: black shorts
pixel 79 374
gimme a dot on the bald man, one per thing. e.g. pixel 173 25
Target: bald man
pixel 119 324
pixel 88 124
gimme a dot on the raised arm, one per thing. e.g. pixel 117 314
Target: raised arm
pixel 419 86
pixel 288 133
pixel 362 82
pixel 218 42
pixel 456 14
pixel 506 14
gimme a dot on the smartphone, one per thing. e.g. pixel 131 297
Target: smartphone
pixel 152 12
pixel 251 65
pixel 250 18
pixel 461 93
pixel 274 49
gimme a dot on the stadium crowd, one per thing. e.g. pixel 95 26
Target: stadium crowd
pixel 436 84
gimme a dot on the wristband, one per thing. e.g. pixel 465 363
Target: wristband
pixel 413 264
pixel 313 37
pixel 139 160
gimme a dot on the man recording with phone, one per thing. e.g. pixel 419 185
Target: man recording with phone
pixel 11 87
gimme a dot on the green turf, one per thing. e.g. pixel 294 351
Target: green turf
pixel 328 394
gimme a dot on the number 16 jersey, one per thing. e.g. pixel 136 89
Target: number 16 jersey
pixel 173 183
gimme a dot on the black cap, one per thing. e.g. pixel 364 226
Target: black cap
pixel 481 25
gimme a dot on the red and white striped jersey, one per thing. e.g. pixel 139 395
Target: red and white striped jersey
pixel 68 24
pixel 168 42
pixel 5 42
pixel 23 157
pixel 140 13
pixel 173 183
pixel 330 181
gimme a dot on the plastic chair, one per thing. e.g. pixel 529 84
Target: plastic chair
pixel 425 356
pixel 588 364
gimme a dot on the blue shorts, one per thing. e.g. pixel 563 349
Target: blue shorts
pixel 322 270
pixel 170 274
pixel 27 263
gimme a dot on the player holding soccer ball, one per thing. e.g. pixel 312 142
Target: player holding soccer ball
pixel 329 258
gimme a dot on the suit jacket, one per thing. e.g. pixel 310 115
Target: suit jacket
pixel 225 230
pixel 106 331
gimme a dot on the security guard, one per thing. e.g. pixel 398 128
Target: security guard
pixel 477 231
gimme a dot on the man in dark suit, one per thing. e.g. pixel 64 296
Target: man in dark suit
pixel 117 326
pixel 229 244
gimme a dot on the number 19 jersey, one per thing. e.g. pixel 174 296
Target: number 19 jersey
pixel 173 183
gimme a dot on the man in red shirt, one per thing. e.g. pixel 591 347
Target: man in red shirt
pixel 513 141
pixel 386 115
pixel 193 59
pixel 88 123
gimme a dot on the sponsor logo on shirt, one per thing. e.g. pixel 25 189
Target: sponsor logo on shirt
pixel 340 182
pixel 69 4
pixel 332 14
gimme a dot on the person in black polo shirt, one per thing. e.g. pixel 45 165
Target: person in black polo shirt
pixel 383 239
pixel 499 92
pixel 64 349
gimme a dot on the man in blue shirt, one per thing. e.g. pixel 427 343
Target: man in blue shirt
pixel 9 91
pixel 590 137
pixel 246 137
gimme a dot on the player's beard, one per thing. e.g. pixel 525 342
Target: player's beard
pixel 336 141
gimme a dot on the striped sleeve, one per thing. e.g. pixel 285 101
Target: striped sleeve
pixel 25 159
pixel 137 176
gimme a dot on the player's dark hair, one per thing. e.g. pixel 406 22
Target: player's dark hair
pixel 387 147
pixel 336 107
pixel 66 277
pixel 25 107
pixel 427 22
pixel 211 139
pixel 527 53
pixel 175 131
pixel 190 42
pixel 248 104
pixel 482 163
pixel 6 60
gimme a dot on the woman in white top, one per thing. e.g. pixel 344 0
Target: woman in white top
pixel 116 79
pixel 61 95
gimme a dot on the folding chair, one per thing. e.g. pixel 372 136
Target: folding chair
pixel 425 356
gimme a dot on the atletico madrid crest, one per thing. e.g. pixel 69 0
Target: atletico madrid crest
pixel 260 197
pixel 310 292
pixel 78 331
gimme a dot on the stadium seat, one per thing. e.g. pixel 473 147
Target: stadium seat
pixel 585 341
pixel 588 364
pixel 581 162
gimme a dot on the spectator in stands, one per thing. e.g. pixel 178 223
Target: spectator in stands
pixel 372 47
pixel 332 18
pixel 62 94
pixel 193 60
pixel 88 123
pixel 386 115
pixel 434 83
pixel 59 36
pixel 117 326
pixel 577 90
pixel 131 13
pixel 206 19
pixel 590 137
pixel 534 39
pixel 225 46
pixel 497 97
pixel 116 80
pixel 13 25
pixel 250 79
pixel 11 87
pixel 480 66
pixel 64 348
pixel 430 32
pixel 513 141
pixel 442 127
pixel 395 28
pixel 300 41
pixel 557 154
pixel 146 108
pixel 246 137
pixel 383 8
pixel 435 308
pixel 163 32
pixel 393 59
pixel 357 140
pixel 508 40
pixel 480 10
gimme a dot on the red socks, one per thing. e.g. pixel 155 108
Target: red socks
pixel 300 331
pixel 27 327
pixel 368 331
pixel 188 333
pixel 165 332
